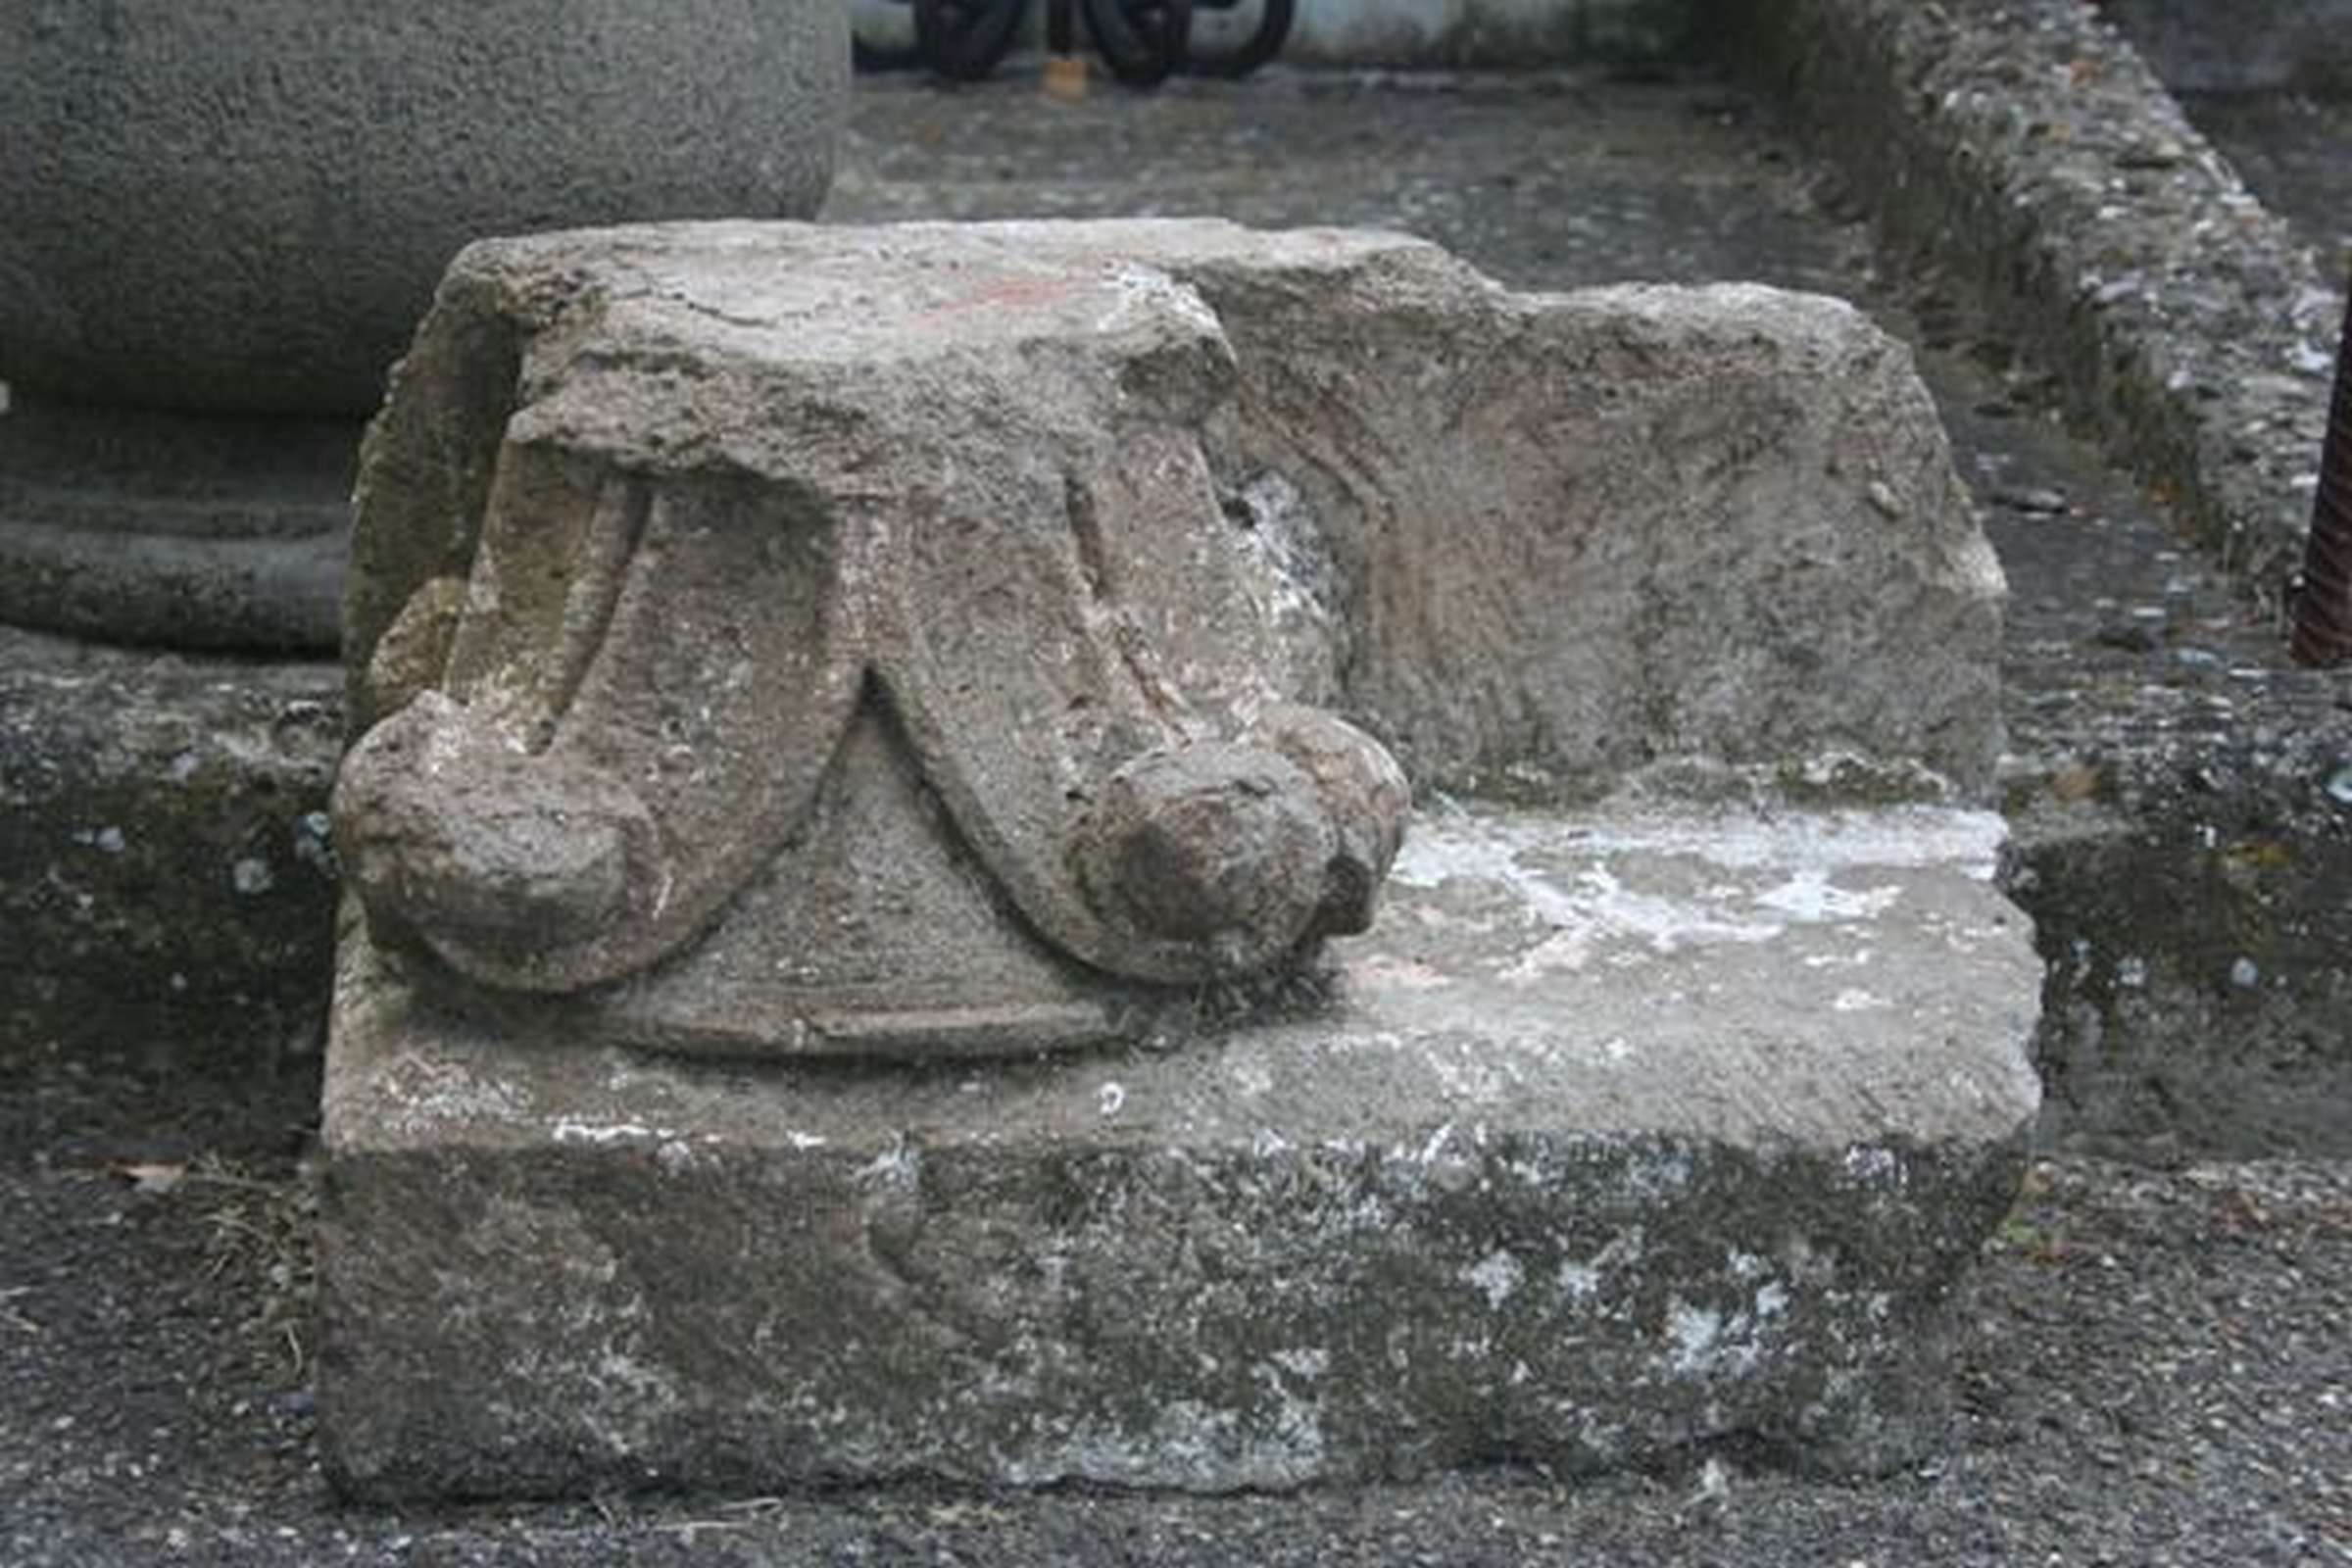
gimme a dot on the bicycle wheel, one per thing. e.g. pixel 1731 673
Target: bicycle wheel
pixel 1140 40
pixel 965 39
pixel 1264 44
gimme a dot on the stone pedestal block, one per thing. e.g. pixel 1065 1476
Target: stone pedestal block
pixel 1622 1132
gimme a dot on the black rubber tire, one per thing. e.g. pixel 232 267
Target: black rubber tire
pixel 1143 41
pixel 865 56
pixel 965 40
pixel 1273 31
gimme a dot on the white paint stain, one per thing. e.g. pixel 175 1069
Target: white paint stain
pixel 571 1130
pixel 421 1094
pixel 1628 885
pixel 1877 1166
pixel 899 1167
pixel 1306 1363
pixel 1496 1276
pixel 1906 837
pixel 1694 1331
pixel 1139 293
pixel 1809 897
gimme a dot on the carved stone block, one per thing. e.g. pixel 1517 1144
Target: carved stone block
pixel 834 656
pixel 879 750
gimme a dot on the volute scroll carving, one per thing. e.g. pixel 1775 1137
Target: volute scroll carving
pixel 933 722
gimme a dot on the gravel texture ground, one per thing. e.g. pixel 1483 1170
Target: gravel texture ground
pixel 2158 1367
pixel 2155 1371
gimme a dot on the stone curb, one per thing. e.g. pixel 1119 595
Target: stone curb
pixel 169 891
pixel 2029 148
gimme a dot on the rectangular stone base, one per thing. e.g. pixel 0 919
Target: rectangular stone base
pixel 1622 1133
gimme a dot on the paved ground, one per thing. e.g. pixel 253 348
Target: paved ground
pixel 2155 1367
pixel 2153 1370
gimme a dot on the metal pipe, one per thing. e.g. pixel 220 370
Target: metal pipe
pixel 2323 601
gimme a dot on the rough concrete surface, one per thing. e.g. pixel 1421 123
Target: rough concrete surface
pixel 2034 154
pixel 171 884
pixel 1623 1133
pixel 273 186
pixel 2177 800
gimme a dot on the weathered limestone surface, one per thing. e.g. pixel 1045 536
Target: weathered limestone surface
pixel 1626 1131
pixel 1526 540
pixel 919 648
